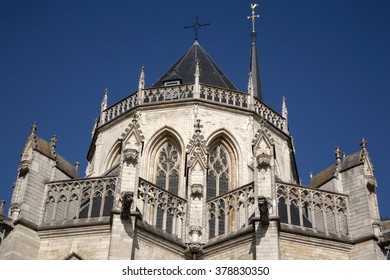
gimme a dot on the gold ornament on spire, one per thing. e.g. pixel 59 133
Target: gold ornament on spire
pixel 253 16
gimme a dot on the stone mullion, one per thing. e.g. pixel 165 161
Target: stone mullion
pixel 165 209
pixel 216 217
pixel 246 209
pixel 174 217
pixel 300 208
pixel 79 198
pixel 336 218
pixel 236 209
pixel 104 193
pixel 288 204
pixel 323 208
pixel 91 193
pixel 66 211
pixel 54 214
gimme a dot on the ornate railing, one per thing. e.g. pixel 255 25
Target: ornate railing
pixel 79 199
pixel 162 209
pixel 322 211
pixel 231 211
pixel 224 96
pixel 168 93
pixel 181 92
pixel 270 115
pixel 119 108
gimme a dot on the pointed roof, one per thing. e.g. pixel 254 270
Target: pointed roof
pixel 184 69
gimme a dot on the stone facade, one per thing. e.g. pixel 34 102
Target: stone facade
pixel 190 171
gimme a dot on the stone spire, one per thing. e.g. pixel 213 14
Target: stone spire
pixel 285 113
pixel 104 101
pixel 197 75
pixel 254 63
pixel 141 83
pixel 34 128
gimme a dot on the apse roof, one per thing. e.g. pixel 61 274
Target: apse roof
pixel 183 70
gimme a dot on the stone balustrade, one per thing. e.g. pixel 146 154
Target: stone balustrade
pixel 307 208
pixel 162 209
pixel 182 92
pixel 120 108
pixel 231 211
pixel 270 115
pixel 79 199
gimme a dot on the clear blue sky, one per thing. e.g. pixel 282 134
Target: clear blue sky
pixel 329 58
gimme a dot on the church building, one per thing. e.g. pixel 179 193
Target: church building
pixel 191 168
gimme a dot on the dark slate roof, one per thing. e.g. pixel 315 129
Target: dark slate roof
pixel 44 148
pixel 184 70
pixel 328 174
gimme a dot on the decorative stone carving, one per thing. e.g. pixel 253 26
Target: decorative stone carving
pixel 264 211
pixel 376 224
pixel 24 168
pixel 15 210
pixel 195 247
pixel 197 148
pixel 197 191
pixel 263 161
pixel 130 156
pixel 371 183
pixel 195 230
pixel 127 201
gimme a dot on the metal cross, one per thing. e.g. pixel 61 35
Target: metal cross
pixel 197 26
pixel 253 16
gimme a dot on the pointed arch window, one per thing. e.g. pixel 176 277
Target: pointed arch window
pixel 218 176
pixel 167 177
pixel 218 183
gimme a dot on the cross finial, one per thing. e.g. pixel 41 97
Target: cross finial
pixel 253 16
pixel 197 26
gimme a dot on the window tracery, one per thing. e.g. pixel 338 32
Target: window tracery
pixel 167 177
pixel 218 183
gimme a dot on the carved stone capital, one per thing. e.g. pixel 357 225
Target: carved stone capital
pixel 130 156
pixel 197 191
pixel 263 161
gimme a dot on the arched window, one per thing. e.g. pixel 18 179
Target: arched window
pixel 218 176
pixel 167 177
pixel 219 181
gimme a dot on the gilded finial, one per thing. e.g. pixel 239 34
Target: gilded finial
pixel 253 16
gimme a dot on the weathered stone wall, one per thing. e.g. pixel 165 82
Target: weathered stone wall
pixel 299 247
pixel 147 246
pixel 90 243
pixel 21 244
pixel 234 247
pixel 368 250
